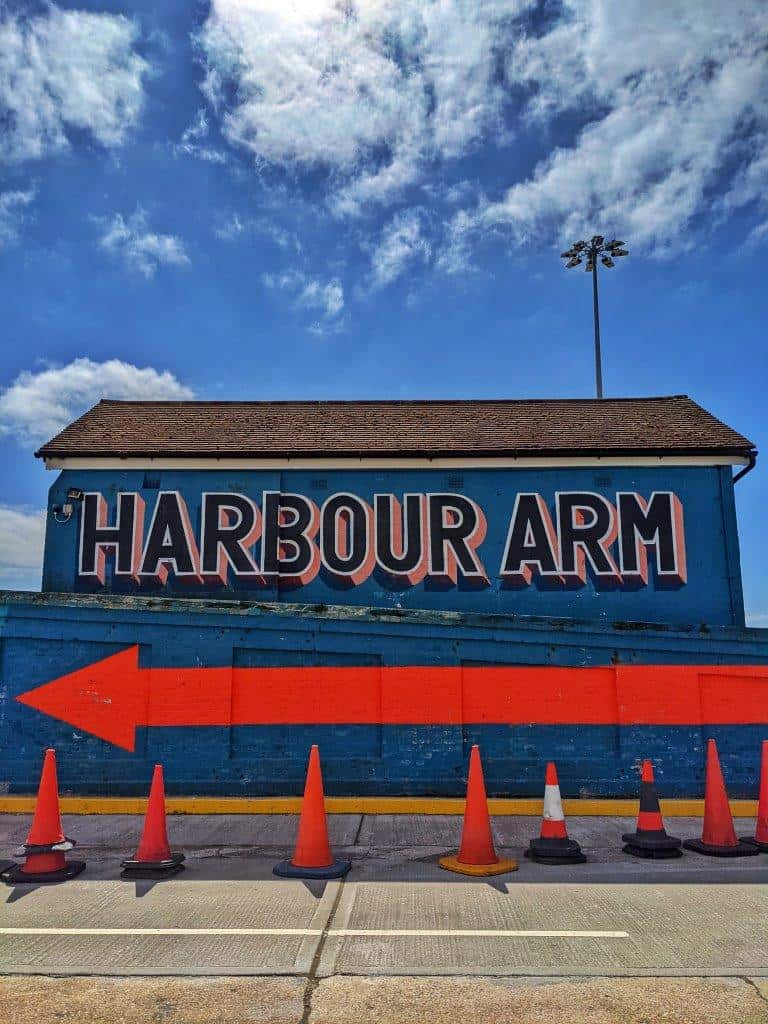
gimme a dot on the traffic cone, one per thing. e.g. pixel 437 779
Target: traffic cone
pixel 553 845
pixel 312 857
pixel 760 838
pixel 153 857
pixel 476 855
pixel 46 844
pixel 718 837
pixel 650 840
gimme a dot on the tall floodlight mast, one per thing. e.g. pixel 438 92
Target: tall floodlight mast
pixel 606 252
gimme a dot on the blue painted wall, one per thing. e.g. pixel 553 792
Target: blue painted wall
pixel 45 636
pixel 711 595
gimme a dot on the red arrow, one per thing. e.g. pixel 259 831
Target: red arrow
pixel 110 698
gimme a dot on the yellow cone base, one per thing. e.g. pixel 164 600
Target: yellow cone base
pixel 501 867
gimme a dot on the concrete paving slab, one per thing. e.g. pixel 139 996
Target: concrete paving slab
pixel 108 926
pixel 676 929
pixel 41 1000
pixel 346 1000
pixel 187 831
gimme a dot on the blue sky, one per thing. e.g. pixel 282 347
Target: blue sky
pixel 252 199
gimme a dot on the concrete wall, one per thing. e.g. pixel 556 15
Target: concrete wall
pixel 229 697
pixel 711 594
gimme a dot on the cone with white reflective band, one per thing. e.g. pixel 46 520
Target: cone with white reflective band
pixel 46 845
pixel 554 845
pixel 650 839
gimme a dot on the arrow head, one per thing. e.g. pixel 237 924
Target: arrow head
pixel 107 698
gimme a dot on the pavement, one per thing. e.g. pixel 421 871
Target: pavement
pixel 612 940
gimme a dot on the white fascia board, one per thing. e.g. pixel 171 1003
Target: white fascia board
pixel 461 462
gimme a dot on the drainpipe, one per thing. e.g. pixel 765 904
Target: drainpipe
pixel 752 456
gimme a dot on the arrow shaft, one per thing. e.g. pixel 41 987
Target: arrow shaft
pixel 452 695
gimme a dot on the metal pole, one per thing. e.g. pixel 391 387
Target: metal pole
pixel 598 357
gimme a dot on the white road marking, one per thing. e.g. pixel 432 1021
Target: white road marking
pixel 459 933
pixel 161 931
pixel 472 933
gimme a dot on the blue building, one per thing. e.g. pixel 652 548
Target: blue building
pixel 225 583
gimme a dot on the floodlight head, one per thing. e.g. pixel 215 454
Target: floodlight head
pixel 615 244
pixel 597 240
pixel 619 252
pixel 578 246
pixel 574 261
pixel 590 265
pixel 607 261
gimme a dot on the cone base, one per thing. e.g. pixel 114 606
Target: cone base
pixel 15 875
pixel 755 842
pixel 285 869
pixel 501 867
pixel 654 842
pixel 554 858
pixel 651 852
pixel 741 849
pixel 555 851
pixel 153 869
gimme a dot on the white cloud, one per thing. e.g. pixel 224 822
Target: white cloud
pixel 323 297
pixel 22 533
pixel 140 249
pixel 676 94
pixel 64 72
pixel 369 91
pixel 401 243
pixel 36 406
pixel 13 205
pixel 236 226
pixel 191 142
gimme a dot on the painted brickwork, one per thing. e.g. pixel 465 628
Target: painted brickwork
pixel 708 591
pixel 595 698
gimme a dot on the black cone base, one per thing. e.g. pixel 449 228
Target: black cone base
pixel 285 869
pixel 153 869
pixel 555 851
pixel 652 845
pixel 649 854
pixel 741 849
pixel 763 847
pixel 15 876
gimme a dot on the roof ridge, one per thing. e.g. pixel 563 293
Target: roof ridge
pixel 388 401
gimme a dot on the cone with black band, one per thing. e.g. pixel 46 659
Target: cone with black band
pixel 153 857
pixel 43 852
pixel 718 837
pixel 554 846
pixel 650 840
pixel 760 838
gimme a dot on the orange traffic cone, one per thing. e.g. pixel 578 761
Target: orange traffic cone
pixel 553 845
pixel 650 840
pixel 153 858
pixel 476 855
pixel 46 843
pixel 718 837
pixel 312 857
pixel 760 838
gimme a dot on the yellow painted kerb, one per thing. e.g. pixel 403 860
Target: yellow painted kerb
pixel 360 805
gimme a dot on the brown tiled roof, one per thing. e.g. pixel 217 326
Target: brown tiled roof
pixel 395 428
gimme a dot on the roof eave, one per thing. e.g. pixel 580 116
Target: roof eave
pixel 409 453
